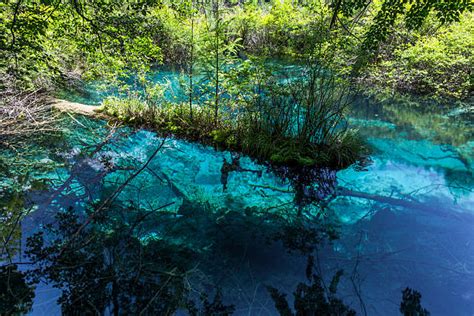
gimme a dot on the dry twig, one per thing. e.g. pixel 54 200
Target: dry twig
pixel 23 113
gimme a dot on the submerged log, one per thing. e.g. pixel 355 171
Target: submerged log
pixel 410 203
pixel 407 203
pixel 93 111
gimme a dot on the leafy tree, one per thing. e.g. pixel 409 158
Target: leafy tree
pixel 217 51
pixel 114 34
pixel 413 12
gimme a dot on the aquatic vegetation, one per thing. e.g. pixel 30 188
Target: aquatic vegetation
pixel 293 120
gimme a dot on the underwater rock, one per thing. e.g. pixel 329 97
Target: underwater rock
pixel 208 174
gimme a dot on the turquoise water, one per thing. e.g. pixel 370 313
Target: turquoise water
pixel 404 220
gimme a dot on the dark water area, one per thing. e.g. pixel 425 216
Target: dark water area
pixel 404 220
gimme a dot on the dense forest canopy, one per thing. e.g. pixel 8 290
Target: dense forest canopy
pixel 96 38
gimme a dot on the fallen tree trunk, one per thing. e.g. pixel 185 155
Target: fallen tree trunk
pixel 74 107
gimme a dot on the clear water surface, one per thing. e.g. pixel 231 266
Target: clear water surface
pixel 405 220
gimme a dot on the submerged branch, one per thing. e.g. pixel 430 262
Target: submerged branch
pixel 109 200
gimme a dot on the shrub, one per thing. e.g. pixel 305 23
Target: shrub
pixel 437 64
pixel 294 118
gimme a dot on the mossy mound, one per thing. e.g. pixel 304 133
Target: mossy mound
pixel 226 134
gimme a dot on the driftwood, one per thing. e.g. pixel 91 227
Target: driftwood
pixel 27 113
pixel 23 113
pixel 73 107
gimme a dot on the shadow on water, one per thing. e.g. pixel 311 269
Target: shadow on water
pixel 172 240
pixel 151 251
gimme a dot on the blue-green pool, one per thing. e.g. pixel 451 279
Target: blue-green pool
pixel 404 220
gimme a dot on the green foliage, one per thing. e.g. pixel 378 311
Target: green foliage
pixel 57 43
pixel 46 40
pixel 171 32
pixel 281 120
pixel 436 64
pixel 281 28
pixel 131 110
pixel 415 13
pixel 216 49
